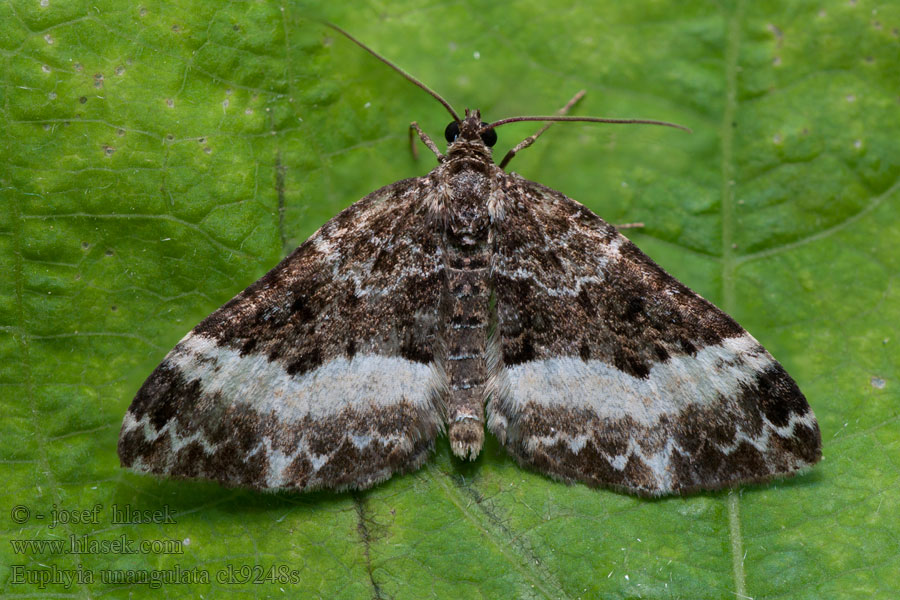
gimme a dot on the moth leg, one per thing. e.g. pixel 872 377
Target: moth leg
pixel 530 140
pixel 637 225
pixel 412 144
pixel 425 140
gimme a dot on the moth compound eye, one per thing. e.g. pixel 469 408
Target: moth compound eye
pixel 489 137
pixel 451 132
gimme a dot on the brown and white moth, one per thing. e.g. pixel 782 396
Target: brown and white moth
pixel 465 298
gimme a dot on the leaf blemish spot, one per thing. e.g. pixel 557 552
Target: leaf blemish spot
pixel 857 144
pixel 83 99
pixel 108 150
pixel 777 138
pixel 52 95
pixel 851 98
pixel 98 80
pixel 120 132
pixel 45 68
pixel 208 150
pixel 48 38
pixel 120 70
pixel 877 383
pixel 85 246
pixel 170 103
pixel 114 308
pixel 109 252
pixel 45 3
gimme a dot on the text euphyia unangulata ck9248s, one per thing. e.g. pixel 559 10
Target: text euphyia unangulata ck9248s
pixel 465 298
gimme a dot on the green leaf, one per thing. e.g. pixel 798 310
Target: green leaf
pixel 157 158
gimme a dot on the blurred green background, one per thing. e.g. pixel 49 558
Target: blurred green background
pixel 158 157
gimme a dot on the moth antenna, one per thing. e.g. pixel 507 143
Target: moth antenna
pixel 409 77
pixel 584 119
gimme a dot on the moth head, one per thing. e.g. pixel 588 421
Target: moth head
pixel 471 128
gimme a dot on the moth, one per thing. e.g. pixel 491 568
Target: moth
pixel 466 298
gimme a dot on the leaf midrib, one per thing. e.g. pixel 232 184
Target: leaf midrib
pixel 729 263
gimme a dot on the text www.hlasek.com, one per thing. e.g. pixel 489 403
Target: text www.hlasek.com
pixel 82 545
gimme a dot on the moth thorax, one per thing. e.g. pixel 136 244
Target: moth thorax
pixel 469 190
